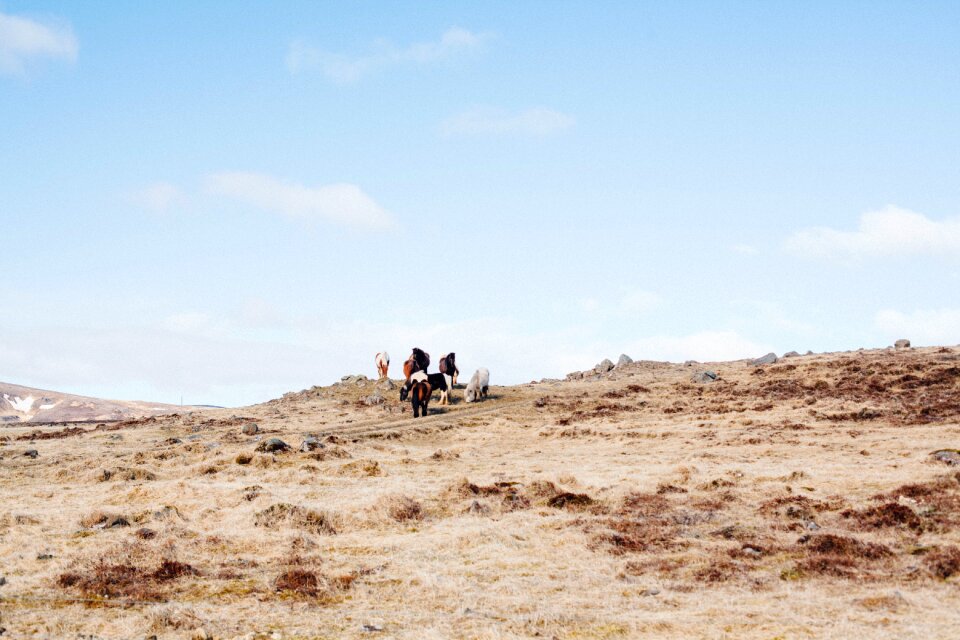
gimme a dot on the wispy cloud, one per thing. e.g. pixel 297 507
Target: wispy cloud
pixel 536 121
pixel 22 39
pixel 889 232
pixel 344 204
pixel 339 67
pixel 931 326
pixel 632 303
pixel 158 197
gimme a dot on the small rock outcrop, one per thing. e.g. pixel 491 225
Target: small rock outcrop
pixel 31 453
pixel 250 429
pixel 374 399
pixel 770 358
pixel 624 359
pixel 575 375
pixel 603 366
pixel 791 354
pixel 948 456
pixel 704 377
pixel 273 445
pixel 902 343
pixel 310 444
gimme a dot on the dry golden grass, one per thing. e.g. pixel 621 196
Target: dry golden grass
pixel 797 500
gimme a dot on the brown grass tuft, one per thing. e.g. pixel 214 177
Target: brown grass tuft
pixel 280 514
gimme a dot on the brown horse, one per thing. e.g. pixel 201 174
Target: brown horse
pixel 420 397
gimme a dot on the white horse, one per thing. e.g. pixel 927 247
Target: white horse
pixel 479 385
pixel 383 364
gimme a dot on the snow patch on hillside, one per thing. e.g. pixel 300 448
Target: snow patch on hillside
pixel 21 405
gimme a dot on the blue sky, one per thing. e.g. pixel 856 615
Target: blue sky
pixel 233 200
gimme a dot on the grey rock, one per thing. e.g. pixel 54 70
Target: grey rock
pixel 650 592
pixel 371 628
pixel 704 377
pixel 273 445
pixel 374 399
pixel 791 354
pixel 310 444
pixel 948 456
pixel 3 581
pixel 250 429
pixel 45 556
pixel 604 366
pixel 575 375
pixel 624 359
pixel 31 453
pixel 902 343
pixel 811 525
pixel 194 438
pixel 690 363
pixel 809 353
pixel 386 384
pixel 770 358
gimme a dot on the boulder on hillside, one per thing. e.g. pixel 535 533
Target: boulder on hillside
pixel 902 343
pixel 603 366
pixel 310 444
pixel 791 354
pixel 704 377
pixel 250 429
pixel 273 445
pixel 770 358
pixel 624 359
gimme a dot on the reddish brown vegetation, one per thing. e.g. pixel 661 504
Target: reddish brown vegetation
pixel 113 580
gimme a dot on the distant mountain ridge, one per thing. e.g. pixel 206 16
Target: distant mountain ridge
pixel 19 404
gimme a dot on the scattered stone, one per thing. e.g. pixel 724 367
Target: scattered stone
pixel 114 521
pixel 45 556
pixel 791 354
pixel 250 429
pixel 603 366
pixel 310 444
pixel 770 358
pixel 704 377
pixel 624 359
pixel 3 581
pixel 387 384
pixel 650 592
pixel 371 628
pixel 145 534
pixel 31 453
pixel 902 343
pixel 194 438
pixel 575 375
pixel 172 441
pixel 690 363
pixel 374 399
pixel 949 456
pixel 752 552
pixel 271 445
pixel 478 508
pixel 811 525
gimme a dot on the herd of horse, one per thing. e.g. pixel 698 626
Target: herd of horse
pixel 420 385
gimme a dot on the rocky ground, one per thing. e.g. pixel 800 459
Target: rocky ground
pixel 814 497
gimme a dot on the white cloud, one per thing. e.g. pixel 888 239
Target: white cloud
pixel 632 303
pixel 345 68
pixel 22 39
pixel 157 197
pixel 344 204
pixel 536 121
pixel 930 327
pixel 889 232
